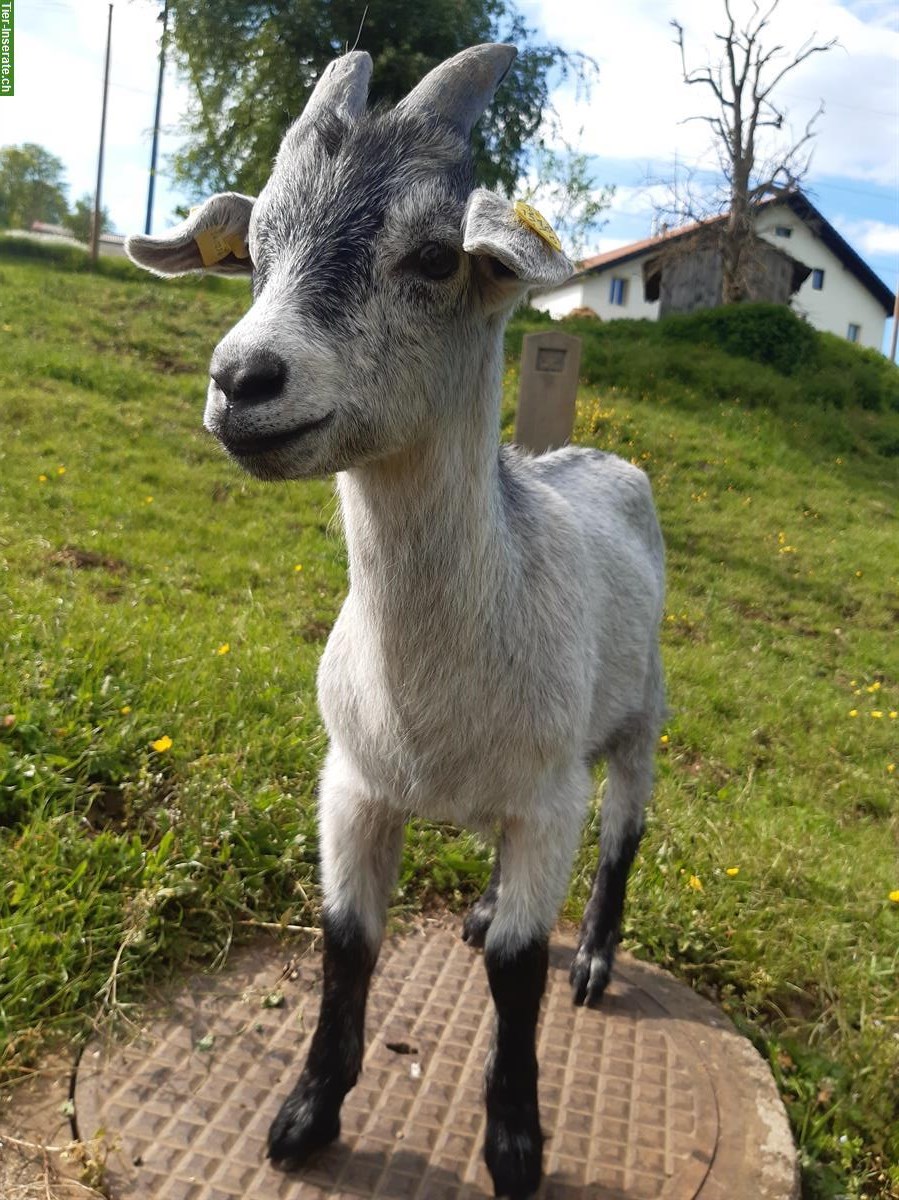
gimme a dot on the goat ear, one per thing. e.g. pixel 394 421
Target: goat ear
pixel 517 238
pixel 213 238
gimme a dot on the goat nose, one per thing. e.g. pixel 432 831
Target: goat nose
pixel 251 379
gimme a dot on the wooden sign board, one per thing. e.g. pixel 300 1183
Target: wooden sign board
pixel 547 391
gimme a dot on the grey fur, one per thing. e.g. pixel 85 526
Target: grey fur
pixel 501 626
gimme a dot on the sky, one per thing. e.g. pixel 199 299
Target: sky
pixel 632 125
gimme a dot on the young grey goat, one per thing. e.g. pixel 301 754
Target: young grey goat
pixel 501 628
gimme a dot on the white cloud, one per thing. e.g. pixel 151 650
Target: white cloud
pixel 638 109
pixel 872 238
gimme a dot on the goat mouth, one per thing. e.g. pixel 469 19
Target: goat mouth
pixel 251 447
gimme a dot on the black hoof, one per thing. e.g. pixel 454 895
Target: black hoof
pixel 589 975
pixel 477 921
pixel 302 1126
pixel 513 1151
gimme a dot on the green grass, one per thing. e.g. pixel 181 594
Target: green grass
pixel 777 489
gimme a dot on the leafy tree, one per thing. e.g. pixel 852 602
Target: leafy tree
pixel 743 83
pixel 81 218
pixel 32 187
pixel 252 66
pixel 563 188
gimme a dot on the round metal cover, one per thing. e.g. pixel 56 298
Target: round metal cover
pixel 643 1098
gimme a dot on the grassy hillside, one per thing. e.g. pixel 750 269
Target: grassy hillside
pixel 162 617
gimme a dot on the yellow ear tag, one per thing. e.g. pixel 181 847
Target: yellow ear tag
pixel 213 246
pixel 238 245
pixel 536 221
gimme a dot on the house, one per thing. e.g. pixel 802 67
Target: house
pixel 841 293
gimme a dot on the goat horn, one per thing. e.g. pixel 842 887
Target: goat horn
pixel 460 89
pixel 343 87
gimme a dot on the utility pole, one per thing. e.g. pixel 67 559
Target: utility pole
pixel 154 151
pixel 895 327
pixel 95 230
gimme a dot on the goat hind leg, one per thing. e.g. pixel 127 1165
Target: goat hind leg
pixel 628 787
pixel 360 849
pixel 480 916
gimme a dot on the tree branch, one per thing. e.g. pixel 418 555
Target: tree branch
pixel 798 58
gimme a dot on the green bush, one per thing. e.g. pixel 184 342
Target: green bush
pixel 770 334
pixel 758 355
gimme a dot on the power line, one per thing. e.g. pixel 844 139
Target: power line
pixel 880 112
pixel 841 187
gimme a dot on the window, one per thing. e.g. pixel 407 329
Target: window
pixel 854 332
pixel 783 231
pixel 618 291
pixel 817 279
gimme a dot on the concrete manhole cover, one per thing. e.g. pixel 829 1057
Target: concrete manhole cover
pixel 652 1096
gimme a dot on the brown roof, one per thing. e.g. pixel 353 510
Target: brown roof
pixel 634 248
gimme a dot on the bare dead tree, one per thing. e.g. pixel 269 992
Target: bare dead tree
pixel 743 82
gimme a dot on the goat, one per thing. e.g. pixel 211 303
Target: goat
pixel 500 633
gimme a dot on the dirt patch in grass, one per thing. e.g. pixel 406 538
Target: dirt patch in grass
pixel 80 559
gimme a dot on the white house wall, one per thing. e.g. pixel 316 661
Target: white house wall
pixel 560 301
pixel 842 299
pixel 594 291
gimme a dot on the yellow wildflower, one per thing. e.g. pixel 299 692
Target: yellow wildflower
pixel 732 871
pixel 42 478
pixel 695 883
pixel 60 470
pixel 875 686
pixel 125 710
pixel 894 715
pixel 223 648
pixel 891 767
pixel 894 896
pixel 853 712
pixel 876 714
pixel 298 567
pixel 148 499
pixel 664 739
pixel 162 744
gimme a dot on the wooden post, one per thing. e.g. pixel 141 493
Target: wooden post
pixel 895 327
pixel 547 391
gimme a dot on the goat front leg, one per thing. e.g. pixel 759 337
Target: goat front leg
pixel 536 865
pixel 361 842
pixel 627 793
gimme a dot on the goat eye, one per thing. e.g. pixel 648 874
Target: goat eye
pixel 437 260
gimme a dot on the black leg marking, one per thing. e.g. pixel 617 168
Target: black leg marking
pixel 310 1116
pixel 480 915
pixel 601 926
pixel 513 1148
